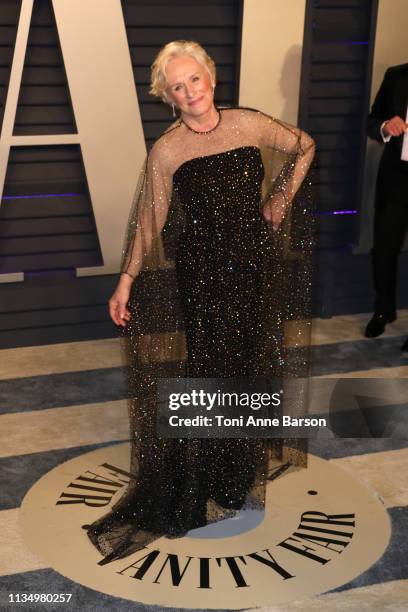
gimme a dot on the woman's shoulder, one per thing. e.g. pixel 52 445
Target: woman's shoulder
pixel 259 123
pixel 251 119
pixel 165 145
pixel 257 118
pixel 246 113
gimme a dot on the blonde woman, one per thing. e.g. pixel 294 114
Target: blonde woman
pixel 216 258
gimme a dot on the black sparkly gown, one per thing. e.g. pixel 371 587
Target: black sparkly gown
pixel 220 261
pixel 211 277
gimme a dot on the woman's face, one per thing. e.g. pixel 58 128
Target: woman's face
pixel 189 85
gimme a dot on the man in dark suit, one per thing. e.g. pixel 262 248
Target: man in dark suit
pixel 387 122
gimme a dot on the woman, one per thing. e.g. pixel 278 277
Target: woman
pixel 218 257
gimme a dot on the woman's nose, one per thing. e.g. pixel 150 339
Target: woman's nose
pixel 189 91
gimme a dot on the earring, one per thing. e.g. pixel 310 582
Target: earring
pixel 174 112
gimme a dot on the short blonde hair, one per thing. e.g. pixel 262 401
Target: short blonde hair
pixel 158 82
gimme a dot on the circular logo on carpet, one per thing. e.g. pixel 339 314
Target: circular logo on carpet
pixel 316 534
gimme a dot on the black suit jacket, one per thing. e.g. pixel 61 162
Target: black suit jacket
pixel 391 100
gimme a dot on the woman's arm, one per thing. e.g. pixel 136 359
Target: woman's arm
pixel 118 310
pixel 148 216
pixel 297 149
pixel 149 211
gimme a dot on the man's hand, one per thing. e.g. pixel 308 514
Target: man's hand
pixel 274 210
pixel 395 126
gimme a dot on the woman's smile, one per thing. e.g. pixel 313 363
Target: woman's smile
pixel 196 101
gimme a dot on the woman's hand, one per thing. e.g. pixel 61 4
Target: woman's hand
pixel 274 210
pixel 118 310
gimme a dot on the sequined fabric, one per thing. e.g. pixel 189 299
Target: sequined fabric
pixel 218 293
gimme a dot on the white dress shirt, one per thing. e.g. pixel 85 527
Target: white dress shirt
pixel 404 151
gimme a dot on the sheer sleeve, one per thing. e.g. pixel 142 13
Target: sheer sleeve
pixel 292 151
pixel 148 214
pixel 287 154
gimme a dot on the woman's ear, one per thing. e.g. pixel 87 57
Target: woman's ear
pixel 166 97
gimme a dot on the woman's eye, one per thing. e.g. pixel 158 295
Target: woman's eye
pixel 195 78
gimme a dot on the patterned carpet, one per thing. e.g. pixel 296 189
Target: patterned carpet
pixel 60 401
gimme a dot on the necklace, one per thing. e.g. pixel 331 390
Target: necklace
pixel 207 131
